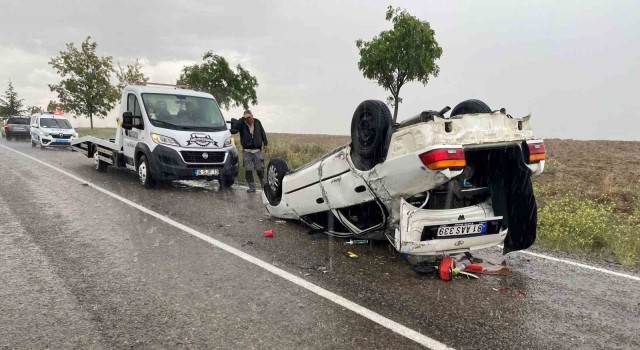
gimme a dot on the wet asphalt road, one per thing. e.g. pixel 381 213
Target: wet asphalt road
pixel 79 269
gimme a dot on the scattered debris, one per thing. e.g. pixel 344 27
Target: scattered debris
pixel 268 233
pixel 280 222
pixel 307 274
pixel 357 241
pixel 247 243
pixel 495 289
pixel 223 225
pixel 85 184
pixel 352 255
pixel 505 289
pixel 523 293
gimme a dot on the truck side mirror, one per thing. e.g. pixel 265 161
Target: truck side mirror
pixel 127 120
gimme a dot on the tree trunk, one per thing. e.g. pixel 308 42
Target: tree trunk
pixel 91 120
pixel 395 109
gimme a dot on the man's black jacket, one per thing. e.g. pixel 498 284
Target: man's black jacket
pixel 248 141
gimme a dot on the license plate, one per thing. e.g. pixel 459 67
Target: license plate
pixel 462 229
pixel 205 172
pixel 62 140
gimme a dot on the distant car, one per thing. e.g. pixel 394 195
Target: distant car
pixel 50 130
pixel 15 128
pixel 433 185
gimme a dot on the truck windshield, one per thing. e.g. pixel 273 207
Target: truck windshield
pixel 55 123
pixel 183 112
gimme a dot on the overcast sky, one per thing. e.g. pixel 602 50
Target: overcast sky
pixel 575 66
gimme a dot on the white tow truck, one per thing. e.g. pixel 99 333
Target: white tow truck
pixel 165 133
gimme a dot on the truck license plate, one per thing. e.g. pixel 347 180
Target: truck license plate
pixel 205 172
pixel 462 229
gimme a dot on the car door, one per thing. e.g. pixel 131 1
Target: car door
pixel 131 137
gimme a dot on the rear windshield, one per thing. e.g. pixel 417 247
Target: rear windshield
pixel 24 121
pixel 55 123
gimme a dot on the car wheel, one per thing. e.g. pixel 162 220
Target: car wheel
pixel 8 136
pixel 41 145
pixel 469 107
pixel 144 173
pixel 226 181
pixel 370 129
pixel 33 144
pixel 276 170
pixel 100 165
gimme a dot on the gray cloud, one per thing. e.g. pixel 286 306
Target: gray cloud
pixel 574 67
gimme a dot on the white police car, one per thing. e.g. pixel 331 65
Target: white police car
pixel 51 130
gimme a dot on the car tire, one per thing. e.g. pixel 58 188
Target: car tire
pixel 8 137
pixel 41 145
pixel 98 164
pixel 469 107
pixel 226 181
pixel 144 173
pixel 33 144
pixel 370 130
pixel 276 170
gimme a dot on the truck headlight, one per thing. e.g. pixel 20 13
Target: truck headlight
pixel 165 140
pixel 228 142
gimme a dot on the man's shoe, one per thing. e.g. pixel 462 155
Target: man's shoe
pixel 252 188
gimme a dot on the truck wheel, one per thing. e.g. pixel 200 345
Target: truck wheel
pixel 470 107
pixel 370 128
pixel 276 170
pixel 144 173
pixel 226 181
pixel 100 166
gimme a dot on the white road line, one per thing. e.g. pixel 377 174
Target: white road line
pixel 346 303
pixel 584 266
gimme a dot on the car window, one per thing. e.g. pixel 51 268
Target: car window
pixel 55 123
pixel 22 121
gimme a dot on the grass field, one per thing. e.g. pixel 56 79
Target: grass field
pixel 588 197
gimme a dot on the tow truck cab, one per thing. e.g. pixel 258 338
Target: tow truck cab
pixel 167 133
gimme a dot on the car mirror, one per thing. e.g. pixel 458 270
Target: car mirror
pixel 34 125
pixel 127 120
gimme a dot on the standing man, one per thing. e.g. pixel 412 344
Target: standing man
pixel 252 139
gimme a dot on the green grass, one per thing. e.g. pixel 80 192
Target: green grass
pixel 572 222
pixel 97 132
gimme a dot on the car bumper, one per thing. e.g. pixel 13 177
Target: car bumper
pixel 416 233
pixel 167 164
pixel 53 142
pixel 21 133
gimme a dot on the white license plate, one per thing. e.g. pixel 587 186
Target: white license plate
pixel 462 229
pixel 205 172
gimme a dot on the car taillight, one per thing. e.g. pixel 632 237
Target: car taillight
pixel 444 158
pixel 536 152
pixel 6 126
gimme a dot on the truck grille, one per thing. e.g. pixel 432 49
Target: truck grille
pixel 58 136
pixel 197 157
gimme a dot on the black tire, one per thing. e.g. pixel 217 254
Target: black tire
pixel 98 164
pixel 144 173
pixel 41 146
pixel 370 128
pixel 33 144
pixel 276 170
pixel 8 137
pixel 470 107
pixel 226 181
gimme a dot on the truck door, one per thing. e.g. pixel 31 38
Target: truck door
pixel 130 138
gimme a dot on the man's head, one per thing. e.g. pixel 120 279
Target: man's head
pixel 248 117
pixel 162 106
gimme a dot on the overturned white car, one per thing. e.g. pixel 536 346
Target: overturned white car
pixel 432 184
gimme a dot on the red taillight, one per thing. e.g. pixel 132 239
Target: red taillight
pixel 536 152
pixel 6 126
pixel 444 158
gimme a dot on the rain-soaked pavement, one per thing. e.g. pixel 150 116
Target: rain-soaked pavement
pixel 80 269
